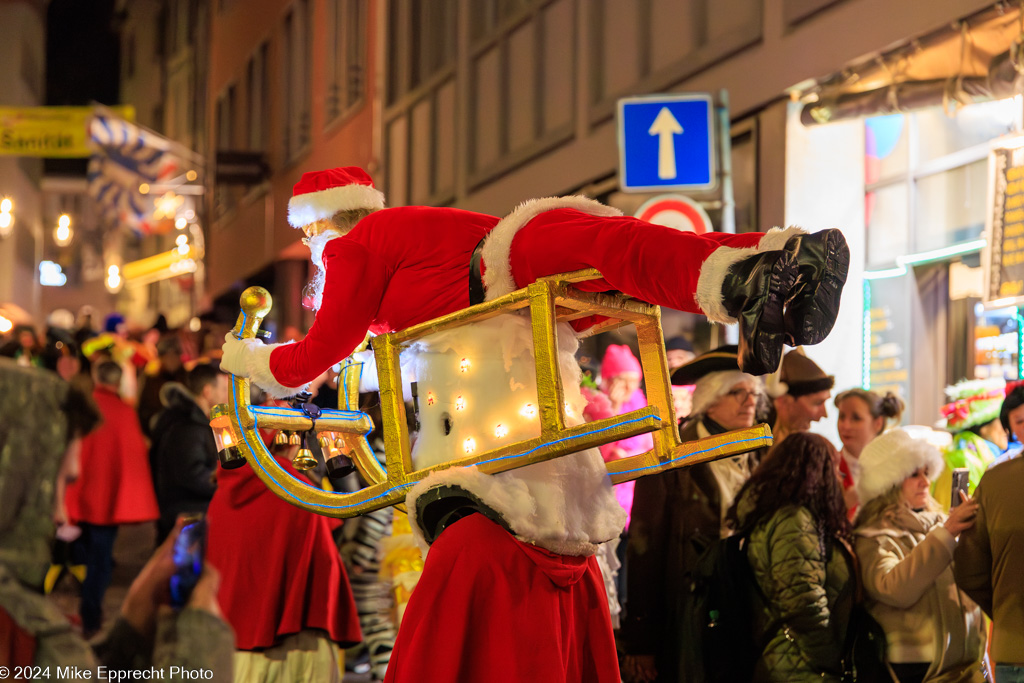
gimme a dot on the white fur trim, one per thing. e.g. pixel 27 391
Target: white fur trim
pixel 716 267
pixel 259 372
pixel 715 385
pixel 776 238
pixel 497 249
pixel 889 459
pixel 573 524
pixel 314 206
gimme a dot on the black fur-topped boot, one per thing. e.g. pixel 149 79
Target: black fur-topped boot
pixel 823 260
pixel 755 292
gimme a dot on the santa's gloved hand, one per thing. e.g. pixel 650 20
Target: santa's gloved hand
pixel 237 354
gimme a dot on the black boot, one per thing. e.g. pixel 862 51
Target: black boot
pixel 823 259
pixel 754 292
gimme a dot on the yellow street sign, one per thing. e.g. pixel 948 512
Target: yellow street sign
pixel 49 131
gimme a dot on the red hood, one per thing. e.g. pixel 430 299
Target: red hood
pixel 241 486
pixel 562 570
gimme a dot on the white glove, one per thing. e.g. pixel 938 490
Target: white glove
pixel 237 354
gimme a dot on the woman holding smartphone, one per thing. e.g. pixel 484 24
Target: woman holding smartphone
pixel 905 547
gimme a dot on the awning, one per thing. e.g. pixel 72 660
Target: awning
pixel 979 58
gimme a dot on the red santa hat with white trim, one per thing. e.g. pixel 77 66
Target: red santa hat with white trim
pixel 320 194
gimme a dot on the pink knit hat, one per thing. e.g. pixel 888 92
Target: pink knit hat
pixel 617 360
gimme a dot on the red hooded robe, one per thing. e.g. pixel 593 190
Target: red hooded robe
pixel 492 608
pixel 280 569
pixel 115 485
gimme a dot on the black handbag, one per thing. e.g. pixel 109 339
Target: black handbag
pixel 865 652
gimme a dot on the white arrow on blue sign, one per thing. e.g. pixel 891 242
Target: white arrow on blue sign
pixel 666 142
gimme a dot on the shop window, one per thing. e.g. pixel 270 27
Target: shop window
pixel 996 344
pixel 940 134
pixel 888 227
pixel 346 56
pixel 951 206
pixel 886 147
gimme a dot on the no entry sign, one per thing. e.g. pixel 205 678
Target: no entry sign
pixel 675 211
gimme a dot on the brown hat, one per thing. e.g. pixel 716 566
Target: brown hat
pixel 798 375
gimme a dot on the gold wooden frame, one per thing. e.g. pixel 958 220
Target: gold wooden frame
pixel 550 301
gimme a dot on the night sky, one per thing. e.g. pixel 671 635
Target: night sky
pixel 82 61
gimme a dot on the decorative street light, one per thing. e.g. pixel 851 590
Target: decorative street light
pixel 63 234
pixel 6 217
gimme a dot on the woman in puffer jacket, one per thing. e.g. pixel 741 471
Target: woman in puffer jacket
pixel 792 508
pixel 905 547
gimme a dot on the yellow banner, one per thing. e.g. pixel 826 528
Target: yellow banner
pixel 55 132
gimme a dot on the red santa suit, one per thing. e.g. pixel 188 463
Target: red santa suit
pixel 402 266
pixel 524 602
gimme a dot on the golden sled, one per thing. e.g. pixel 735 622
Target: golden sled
pixel 550 301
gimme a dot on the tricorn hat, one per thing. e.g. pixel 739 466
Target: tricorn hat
pixel 714 373
pixel 320 194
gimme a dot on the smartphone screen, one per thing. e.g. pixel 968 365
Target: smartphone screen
pixel 961 479
pixel 189 550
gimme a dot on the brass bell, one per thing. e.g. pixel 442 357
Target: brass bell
pixel 304 459
pixel 325 443
pixel 294 439
pixel 281 438
pixel 339 444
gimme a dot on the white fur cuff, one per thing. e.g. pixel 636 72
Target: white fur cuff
pixel 497 249
pixel 259 372
pixel 709 294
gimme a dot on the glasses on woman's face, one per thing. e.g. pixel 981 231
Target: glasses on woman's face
pixel 741 395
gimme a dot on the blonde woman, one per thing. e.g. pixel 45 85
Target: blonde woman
pixel 905 546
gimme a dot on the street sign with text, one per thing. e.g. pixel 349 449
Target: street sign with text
pixel 666 142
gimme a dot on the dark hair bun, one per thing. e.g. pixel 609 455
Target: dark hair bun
pixel 891 405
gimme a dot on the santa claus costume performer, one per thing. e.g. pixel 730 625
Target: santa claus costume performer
pixel 522 597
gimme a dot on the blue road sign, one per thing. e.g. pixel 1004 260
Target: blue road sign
pixel 666 142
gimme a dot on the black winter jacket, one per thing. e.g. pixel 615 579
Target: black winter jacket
pixel 183 456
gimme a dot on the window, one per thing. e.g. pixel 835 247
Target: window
pixel 346 56
pixel 422 37
pixel 926 177
pixel 646 45
pixel 225 141
pixel 257 108
pixel 296 42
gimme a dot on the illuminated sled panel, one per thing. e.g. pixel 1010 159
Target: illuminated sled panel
pixel 550 301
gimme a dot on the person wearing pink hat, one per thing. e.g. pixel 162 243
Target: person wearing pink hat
pixel 387 269
pixel 619 393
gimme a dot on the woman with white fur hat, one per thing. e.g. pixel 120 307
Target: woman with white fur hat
pixel 905 547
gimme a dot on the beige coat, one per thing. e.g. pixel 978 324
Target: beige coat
pixel 905 559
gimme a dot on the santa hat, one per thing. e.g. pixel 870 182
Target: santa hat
pixel 320 194
pixel 889 459
pixel 714 375
pixel 618 358
pixel 797 376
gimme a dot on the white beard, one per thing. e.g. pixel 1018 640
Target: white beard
pixel 314 291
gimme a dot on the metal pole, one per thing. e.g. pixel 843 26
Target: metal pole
pixel 725 162
pixel 722 333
